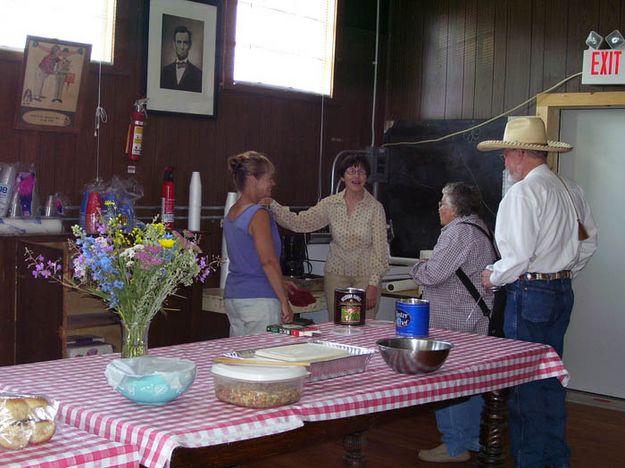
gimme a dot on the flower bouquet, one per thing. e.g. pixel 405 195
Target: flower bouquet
pixel 132 271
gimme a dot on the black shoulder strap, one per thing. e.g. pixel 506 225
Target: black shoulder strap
pixel 473 291
pixel 465 279
pixel 488 234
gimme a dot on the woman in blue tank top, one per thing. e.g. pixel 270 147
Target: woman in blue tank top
pixel 255 294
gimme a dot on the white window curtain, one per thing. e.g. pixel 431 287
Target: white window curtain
pixel 87 21
pixel 286 44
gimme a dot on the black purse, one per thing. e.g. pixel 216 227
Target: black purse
pixel 496 316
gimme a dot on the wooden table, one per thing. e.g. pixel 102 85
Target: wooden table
pixel 198 427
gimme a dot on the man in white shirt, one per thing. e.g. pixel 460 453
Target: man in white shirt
pixel 546 234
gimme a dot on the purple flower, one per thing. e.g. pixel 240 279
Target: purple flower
pixel 148 257
pixel 43 268
pixel 206 268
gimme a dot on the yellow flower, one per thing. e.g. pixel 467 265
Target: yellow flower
pixel 118 239
pixel 137 234
pixel 159 228
pixel 167 243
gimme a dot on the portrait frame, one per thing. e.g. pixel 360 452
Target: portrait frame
pixel 175 82
pixel 54 76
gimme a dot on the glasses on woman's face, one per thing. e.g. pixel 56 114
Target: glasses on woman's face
pixel 352 171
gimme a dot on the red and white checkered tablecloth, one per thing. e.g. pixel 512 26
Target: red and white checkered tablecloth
pixel 476 364
pixel 71 447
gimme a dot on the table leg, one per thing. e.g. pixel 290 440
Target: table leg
pixel 354 445
pixel 492 430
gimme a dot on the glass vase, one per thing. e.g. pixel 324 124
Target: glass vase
pixel 135 339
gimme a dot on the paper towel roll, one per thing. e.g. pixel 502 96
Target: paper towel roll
pixel 400 285
pixel 195 202
pixel 231 199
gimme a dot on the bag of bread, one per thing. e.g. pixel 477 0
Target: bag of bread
pixel 26 419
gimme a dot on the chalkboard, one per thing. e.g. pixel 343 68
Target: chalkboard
pixel 417 174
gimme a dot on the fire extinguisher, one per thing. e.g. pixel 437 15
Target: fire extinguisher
pixel 168 200
pixel 134 140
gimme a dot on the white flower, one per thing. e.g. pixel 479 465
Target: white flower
pixel 130 252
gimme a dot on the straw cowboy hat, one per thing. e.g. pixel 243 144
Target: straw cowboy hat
pixel 525 133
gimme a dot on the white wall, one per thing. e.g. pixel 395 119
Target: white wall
pixel 595 342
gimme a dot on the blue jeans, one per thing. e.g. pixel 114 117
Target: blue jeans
pixel 460 425
pixel 539 311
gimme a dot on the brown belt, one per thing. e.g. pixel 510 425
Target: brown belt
pixel 564 274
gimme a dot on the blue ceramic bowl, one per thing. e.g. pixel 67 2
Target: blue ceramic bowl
pixel 151 380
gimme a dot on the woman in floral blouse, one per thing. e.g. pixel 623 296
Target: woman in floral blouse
pixel 358 256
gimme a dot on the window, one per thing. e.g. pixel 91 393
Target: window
pixel 87 21
pixel 286 44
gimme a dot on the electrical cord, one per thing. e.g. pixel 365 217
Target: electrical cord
pixel 375 72
pixel 320 166
pixel 100 117
pixel 486 122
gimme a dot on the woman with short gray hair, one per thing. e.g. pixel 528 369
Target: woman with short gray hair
pixel 461 245
pixel 463 197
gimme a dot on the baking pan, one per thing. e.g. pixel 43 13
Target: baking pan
pixel 354 363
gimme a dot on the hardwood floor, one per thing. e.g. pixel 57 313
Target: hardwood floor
pixel 596 437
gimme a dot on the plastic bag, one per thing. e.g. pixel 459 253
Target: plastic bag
pixel 97 196
pixel 91 204
pixel 124 192
pixel 25 188
pixel 26 419
pixel 61 202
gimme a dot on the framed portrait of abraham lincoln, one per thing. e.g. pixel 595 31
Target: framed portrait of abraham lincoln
pixel 54 73
pixel 182 56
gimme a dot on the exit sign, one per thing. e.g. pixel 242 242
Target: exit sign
pixel 603 67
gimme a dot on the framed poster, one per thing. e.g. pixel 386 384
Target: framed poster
pixel 54 73
pixel 182 56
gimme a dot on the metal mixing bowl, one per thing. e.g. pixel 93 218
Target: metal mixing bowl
pixel 414 355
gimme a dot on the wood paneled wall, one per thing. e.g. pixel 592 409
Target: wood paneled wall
pixel 465 59
pixel 444 59
pixel 283 125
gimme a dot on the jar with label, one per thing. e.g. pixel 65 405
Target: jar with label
pixel 350 305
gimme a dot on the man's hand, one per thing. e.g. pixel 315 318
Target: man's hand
pixel 486 280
